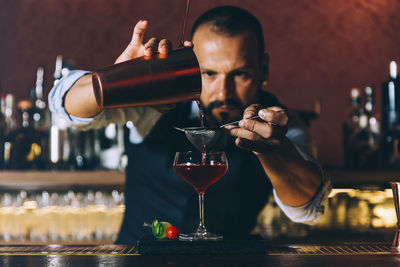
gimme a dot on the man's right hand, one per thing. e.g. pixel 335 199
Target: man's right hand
pixel 80 100
pixel 136 48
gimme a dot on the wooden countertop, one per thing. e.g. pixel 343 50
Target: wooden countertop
pixel 358 254
pixel 37 180
pixel 362 178
pixel 61 180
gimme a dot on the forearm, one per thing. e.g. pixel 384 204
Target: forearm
pixel 80 100
pixel 295 179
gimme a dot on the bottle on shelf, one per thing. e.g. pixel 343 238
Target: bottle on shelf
pixel 367 140
pixel 111 141
pixel 59 147
pixel 10 126
pixel 362 132
pixel 391 100
pixel 41 114
pixel 391 118
pixel 2 128
pixel 82 149
pixel 351 126
pixel 373 120
pixel 26 150
pixel 58 69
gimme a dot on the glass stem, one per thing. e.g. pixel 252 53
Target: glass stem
pixel 202 228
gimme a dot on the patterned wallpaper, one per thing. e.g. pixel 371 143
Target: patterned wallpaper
pixel 319 49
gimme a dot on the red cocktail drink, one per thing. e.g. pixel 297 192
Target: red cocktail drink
pixel 201 176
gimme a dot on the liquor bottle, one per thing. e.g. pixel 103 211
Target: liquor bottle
pixel 111 139
pixel 26 150
pixel 361 132
pixel 391 100
pixel 391 118
pixel 58 69
pixel 59 147
pixel 10 126
pixel 41 115
pixel 351 127
pixel 40 112
pixel 370 109
pixel 2 128
pixel 82 154
pixel 366 141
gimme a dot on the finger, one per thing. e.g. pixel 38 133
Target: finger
pixel 274 115
pixel 164 46
pixel 244 133
pixel 151 47
pixel 251 111
pixel 261 128
pixel 138 32
pixel 264 129
pixel 187 44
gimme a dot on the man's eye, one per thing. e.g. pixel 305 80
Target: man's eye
pixel 208 73
pixel 242 74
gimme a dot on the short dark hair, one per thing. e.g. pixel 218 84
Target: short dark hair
pixel 232 20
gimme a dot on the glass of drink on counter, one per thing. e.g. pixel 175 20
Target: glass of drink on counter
pixel 200 170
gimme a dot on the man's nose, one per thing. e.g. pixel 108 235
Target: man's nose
pixel 225 89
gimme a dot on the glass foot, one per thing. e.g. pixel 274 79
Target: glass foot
pixel 200 236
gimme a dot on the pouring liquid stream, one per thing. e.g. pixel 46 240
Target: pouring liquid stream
pixel 201 113
pixel 201 117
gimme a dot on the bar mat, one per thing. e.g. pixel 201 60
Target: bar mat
pixel 68 250
pixel 228 246
pixel 348 249
pixel 257 246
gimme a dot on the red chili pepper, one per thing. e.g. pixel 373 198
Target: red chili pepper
pixel 173 232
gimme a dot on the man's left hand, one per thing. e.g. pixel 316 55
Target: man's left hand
pixel 263 134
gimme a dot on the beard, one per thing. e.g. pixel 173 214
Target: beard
pixel 211 120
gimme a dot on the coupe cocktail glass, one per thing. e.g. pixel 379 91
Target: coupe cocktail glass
pixel 200 170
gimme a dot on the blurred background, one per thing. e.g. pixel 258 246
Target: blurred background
pixel 318 49
pixel 329 60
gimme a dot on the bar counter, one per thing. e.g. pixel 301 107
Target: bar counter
pixel 36 180
pixel 341 240
pixel 353 254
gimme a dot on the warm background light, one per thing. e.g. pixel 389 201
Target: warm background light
pixel 319 49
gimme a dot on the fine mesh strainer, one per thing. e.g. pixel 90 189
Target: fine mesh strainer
pixel 204 138
pixel 201 138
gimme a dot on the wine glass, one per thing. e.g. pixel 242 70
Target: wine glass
pixel 200 170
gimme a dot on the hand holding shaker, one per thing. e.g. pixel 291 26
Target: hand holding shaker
pixel 150 81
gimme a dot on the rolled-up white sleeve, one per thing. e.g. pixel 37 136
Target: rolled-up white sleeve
pixel 143 118
pixel 312 211
pixel 57 94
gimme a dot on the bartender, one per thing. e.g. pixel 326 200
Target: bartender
pixel 272 155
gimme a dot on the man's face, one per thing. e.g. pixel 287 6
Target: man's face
pixel 231 71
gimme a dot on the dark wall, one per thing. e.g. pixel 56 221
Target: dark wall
pixel 319 49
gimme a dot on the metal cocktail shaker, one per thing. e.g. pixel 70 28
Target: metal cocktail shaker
pixel 149 81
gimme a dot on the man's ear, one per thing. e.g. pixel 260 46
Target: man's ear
pixel 265 68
